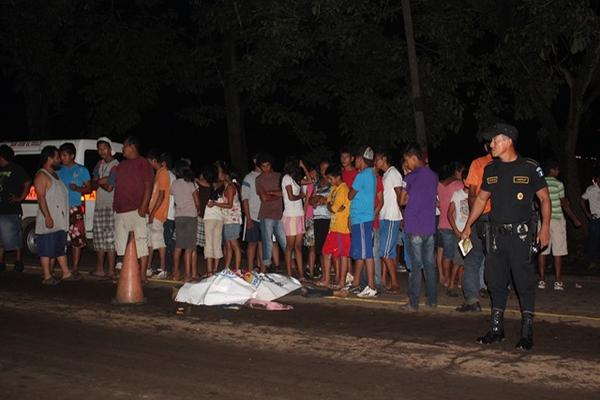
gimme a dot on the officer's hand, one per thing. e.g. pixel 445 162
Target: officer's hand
pixel 466 233
pixel 49 222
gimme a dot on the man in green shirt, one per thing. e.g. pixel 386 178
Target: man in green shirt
pixel 558 226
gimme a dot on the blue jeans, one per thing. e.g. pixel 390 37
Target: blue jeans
pixel 403 242
pixel 473 263
pixel 10 232
pixel 448 243
pixel 268 227
pixel 168 233
pixel 421 253
pixel 377 257
pixel 593 244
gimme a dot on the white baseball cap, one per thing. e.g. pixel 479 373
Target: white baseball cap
pixel 106 140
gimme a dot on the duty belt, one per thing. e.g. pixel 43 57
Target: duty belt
pixel 518 228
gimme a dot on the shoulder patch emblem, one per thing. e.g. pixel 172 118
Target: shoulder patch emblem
pixel 521 179
pixel 491 180
pixel 539 172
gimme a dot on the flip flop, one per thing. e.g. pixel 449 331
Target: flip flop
pixel 50 281
pixel 72 277
pixel 96 275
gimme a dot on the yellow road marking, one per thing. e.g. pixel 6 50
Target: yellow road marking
pixel 391 302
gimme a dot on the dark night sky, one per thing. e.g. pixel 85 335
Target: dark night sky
pixel 160 127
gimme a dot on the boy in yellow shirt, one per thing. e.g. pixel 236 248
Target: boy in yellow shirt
pixel 337 243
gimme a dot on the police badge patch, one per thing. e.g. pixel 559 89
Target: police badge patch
pixel 539 172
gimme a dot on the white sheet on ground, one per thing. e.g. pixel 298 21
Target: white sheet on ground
pixel 227 287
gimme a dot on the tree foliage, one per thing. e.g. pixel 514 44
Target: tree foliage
pixel 311 67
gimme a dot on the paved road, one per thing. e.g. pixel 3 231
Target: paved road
pixel 69 342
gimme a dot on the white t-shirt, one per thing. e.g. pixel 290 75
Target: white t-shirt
pixel 291 208
pixel 249 193
pixel 171 212
pixel 390 210
pixel 592 194
pixel 460 199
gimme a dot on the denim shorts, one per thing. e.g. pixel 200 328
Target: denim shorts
pixel 252 235
pixel 449 242
pixel 11 236
pixel 52 245
pixel 231 231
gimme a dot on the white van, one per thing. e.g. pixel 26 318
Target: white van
pixel 27 155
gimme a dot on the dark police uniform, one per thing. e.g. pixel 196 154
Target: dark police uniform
pixel 513 186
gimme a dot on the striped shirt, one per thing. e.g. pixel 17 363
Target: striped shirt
pixel 557 192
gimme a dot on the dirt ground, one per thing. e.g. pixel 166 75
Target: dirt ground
pixel 69 341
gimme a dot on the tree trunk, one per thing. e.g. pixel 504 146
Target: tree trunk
pixel 570 171
pixel 414 75
pixel 233 108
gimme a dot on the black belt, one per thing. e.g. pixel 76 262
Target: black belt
pixel 517 228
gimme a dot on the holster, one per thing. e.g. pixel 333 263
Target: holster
pixel 484 231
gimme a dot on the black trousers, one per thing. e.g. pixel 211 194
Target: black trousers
pixel 509 260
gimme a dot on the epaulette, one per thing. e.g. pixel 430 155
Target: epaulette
pixel 536 165
pixel 532 162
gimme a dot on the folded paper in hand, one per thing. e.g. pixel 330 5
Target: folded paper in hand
pixel 465 246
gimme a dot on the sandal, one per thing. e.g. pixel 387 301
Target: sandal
pixel 50 281
pixel 71 277
pixel 97 275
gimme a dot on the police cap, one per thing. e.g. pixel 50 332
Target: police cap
pixel 500 129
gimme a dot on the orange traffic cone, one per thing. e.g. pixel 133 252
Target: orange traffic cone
pixel 130 290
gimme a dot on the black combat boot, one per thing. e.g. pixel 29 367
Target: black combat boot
pixel 496 332
pixel 526 341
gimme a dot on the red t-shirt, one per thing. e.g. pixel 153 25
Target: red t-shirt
pixel 348 176
pixel 129 185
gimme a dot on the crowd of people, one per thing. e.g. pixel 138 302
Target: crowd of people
pixel 354 219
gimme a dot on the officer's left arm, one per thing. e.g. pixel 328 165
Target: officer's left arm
pixel 543 237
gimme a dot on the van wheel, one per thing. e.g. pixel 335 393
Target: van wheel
pixel 29 238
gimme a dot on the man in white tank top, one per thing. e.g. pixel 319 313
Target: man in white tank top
pixel 52 221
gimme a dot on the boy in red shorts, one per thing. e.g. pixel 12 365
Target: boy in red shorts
pixel 337 243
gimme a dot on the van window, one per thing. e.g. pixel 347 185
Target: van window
pixel 29 162
pixel 90 159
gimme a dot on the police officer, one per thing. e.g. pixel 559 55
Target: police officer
pixel 511 182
